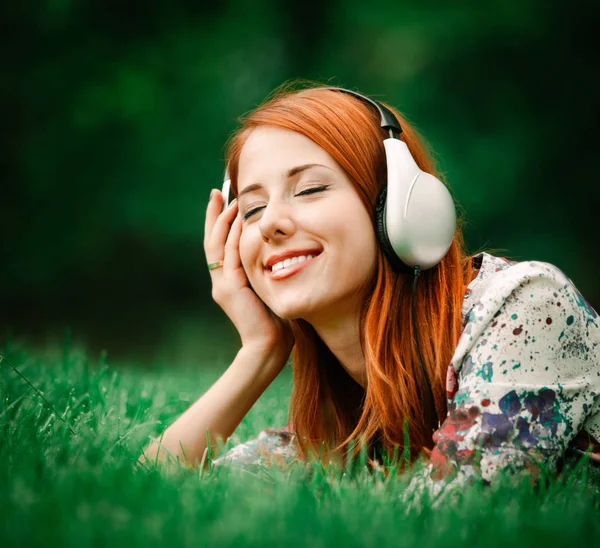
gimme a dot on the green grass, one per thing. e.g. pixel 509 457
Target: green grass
pixel 83 488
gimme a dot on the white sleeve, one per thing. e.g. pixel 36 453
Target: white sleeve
pixel 527 378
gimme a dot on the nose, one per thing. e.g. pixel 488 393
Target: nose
pixel 276 222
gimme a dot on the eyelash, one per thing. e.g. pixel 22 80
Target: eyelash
pixel 312 190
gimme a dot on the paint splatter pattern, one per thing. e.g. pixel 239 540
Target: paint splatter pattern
pixel 524 382
pixel 273 446
pixel 522 386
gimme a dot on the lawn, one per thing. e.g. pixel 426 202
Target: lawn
pixel 77 483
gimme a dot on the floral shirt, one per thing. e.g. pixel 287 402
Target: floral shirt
pixel 523 384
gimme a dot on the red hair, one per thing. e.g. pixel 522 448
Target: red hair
pixel 327 406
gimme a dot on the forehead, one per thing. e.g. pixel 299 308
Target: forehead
pixel 270 151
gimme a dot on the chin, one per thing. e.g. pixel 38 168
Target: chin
pixel 292 311
pixel 289 313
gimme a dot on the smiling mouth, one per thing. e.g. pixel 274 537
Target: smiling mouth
pixel 286 272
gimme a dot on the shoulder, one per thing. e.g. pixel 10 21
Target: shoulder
pixel 526 303
pixel 500 280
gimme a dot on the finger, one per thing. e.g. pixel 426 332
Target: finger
pixel 232 246
pixel 215 204
pixel 220 230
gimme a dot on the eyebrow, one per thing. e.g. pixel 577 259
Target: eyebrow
pixel 291 172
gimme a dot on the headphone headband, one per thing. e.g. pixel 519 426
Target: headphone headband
pixel 388 120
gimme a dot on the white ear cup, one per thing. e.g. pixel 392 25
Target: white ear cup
pixel 420 215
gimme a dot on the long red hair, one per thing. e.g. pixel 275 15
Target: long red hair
pixel 328 409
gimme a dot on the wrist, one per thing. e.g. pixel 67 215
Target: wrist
pixel 268 360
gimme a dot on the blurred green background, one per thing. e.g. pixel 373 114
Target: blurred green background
pixel 115 116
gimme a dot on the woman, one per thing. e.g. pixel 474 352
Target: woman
pixel 511 351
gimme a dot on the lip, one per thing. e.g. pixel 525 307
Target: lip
pixel 273 259
pixel 290 271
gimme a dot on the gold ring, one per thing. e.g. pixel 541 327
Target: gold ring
pixel 212 266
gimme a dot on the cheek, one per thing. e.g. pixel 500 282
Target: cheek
pixel 249 248
pixel 245 249
pixel 357 230
pixel 364 245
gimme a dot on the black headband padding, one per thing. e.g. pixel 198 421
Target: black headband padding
pixel 388 120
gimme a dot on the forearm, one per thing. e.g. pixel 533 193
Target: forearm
pixel 221 409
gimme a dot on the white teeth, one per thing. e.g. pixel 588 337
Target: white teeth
pixel 290 262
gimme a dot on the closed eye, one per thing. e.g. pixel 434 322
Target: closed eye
pixel 312 190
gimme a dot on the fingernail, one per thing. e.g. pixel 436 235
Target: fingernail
pixel 212 193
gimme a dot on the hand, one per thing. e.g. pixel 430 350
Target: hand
pixel 256 324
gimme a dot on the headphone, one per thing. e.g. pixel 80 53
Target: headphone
pixel 415 217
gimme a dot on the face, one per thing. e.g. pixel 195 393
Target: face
pixel 295 200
